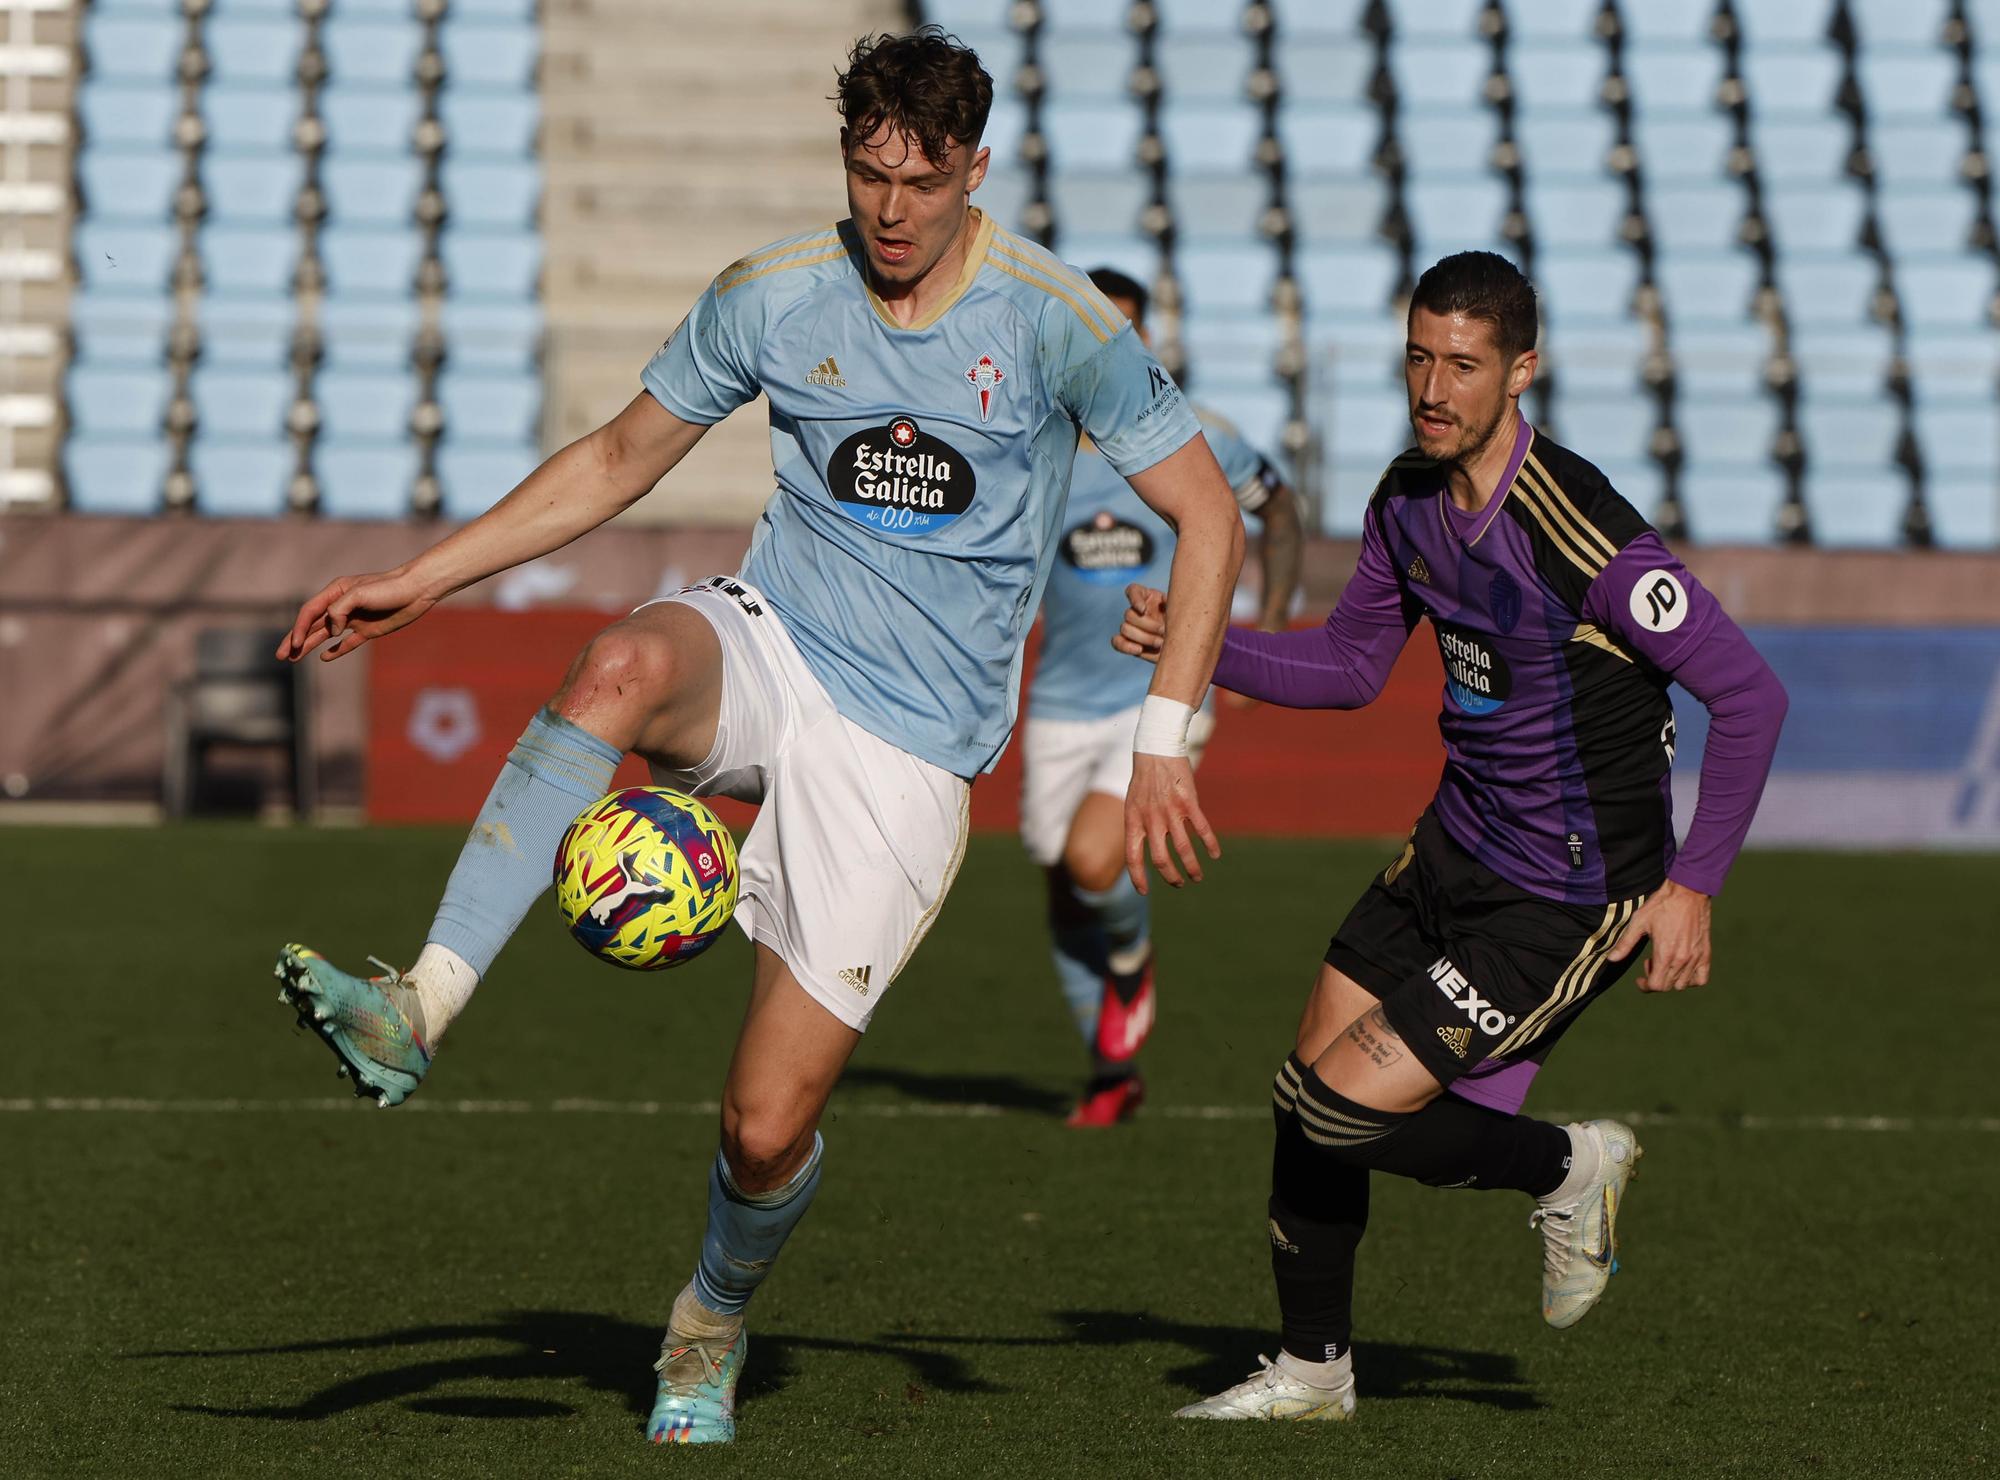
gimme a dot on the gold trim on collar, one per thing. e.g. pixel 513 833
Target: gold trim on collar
pixel 975 258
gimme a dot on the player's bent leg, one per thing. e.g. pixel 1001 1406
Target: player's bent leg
pixel 1579 1220
pixel 374 1025
pixel 1093 860
pixel 788 1058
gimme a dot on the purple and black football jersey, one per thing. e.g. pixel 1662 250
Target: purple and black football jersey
pixel 1561 618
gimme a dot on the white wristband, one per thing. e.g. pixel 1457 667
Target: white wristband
pixel 1163 727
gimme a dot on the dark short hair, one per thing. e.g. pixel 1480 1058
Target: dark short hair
pixel 925 84
pixel 1482 285
pixel 1114 284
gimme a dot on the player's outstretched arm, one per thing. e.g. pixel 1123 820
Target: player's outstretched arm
pixel 1186 489
pixel 572 493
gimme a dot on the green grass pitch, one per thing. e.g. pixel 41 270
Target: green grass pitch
pixel 282 1287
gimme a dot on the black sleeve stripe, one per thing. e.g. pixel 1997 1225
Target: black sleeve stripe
pixel 1589 538
pixel 1559 533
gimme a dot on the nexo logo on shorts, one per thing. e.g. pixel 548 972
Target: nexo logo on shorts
pixel 1106 550
pixel 1451 981
pixel 1477 678
pixel 900 479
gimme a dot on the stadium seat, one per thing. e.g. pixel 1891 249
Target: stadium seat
pixel 1734 507
pixel 246 330
pixel 1797 82
pixel 1708 287
pixel 124 401
pixel 241 479
pixel 1615 426
pixel 1730 433
pixel 1666 22
pixel 363 259
pixel 1827 290
pixel 504 125
pixel 1339 209
pixel 252 48
pixel 249 259
pixel 1583 284
pixel 140 47
pixel 255 118
pixel 1716 359
pixel 1354 280
pixel 252 187
pixel 1677 149
pixel 371 333
pixel 1089 66
pixel 1213 206
pixel 474 478
pixel 1916 154
pixel 125 257
pixel 1639 482
pixel 1681 78
pixel 1906 84
pixel 1953 362
pixel 371 50
pixel 1557 144
pixel 1965 512
pixel 1819 218
pixel 1803 152
pixel 371 405
pixel 1945 292
pixel 371 191
pixel 237 402
pixel 129 185
pixel 1846 510
pixel 1313 20
pixel 375 120
pixel 1433 72
pixel 363 481
pixel 1454 215
pixel 1003 195
pixel 1209 136
pixel 1127 251
pixel 1848 360
pixel 1222 278
pixel 1849 436
pixel 1960 438
pixel 1336 139
pixel 499 264
pixel 1085 135
pixel 1448 141
pixel 1927 222
pixel 1200 68
pixel 490 408
pixel 1551 74
pixel 1898 22
pixel 1695 218
pixel 110 475
pixel 1314 72
pixel 500 55
pixel 127 114
pixel 1575 213
pixel 109 329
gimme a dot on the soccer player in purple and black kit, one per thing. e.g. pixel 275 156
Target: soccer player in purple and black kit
pixel 1544 861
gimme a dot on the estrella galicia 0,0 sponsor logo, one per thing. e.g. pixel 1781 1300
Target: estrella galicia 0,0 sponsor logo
pixel 1476 677
pixel 1106 550
pixel 900 479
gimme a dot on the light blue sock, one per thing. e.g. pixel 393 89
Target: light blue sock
pixel 1124 915
pixel 555 770
pixel 746 1230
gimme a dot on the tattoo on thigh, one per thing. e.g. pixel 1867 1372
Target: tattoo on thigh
pixel 1375 1038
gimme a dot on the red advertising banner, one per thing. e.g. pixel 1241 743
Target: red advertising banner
pixel 448 696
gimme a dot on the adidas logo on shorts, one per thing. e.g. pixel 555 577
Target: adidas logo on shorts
pixel 1458 1040
pixel 857 978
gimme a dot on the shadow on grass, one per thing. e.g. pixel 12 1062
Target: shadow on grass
pixel 608 1355
pixel 1003 1091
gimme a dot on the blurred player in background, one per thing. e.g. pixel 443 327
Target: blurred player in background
pixel 1548 855
pixel 928 377
pixel 1083 706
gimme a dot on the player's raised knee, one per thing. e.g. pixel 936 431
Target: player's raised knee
pixel 764 1148
pixel 623 669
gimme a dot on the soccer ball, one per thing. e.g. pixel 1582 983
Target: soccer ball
pixel 646 878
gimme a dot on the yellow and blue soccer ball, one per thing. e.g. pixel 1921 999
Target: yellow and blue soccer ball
pixel 646 878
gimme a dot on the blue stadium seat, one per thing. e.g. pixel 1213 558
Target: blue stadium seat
pixel 1584 284
pixel 129 184
pixel 479 125
pixel 1575 213
pixel 257 118
pixel 365 481
pixel 1554 74
pixel 1229 350
pixel 1225 278
pixel 1714 287
pixel 1954 362
pixel 1334 209
pixel 241 479
pixel 372 190
pixel 495 56
pixel 1962 438
pixel 1209 136
pixel 1673 77
pixel 1842 359
pixel 362 259
pixel 1907 84
pixel 1554 20
pixel 1791 81
pixel 1090 203
pixel 1091 135
pixel 1730 433
pixel 1216 205
pixel 131 114
pixel 252 48
pixel 998 45
pixel 1847 510
pixel 476 478
pixel 1716 359
pixel 1782 23
pixel 1737 506
pixel 1203 68
pixel 372 50
pixel 371 405
pixel 490 408
pixel 1799 152
pixel 1815 218
pixel 109 475
pixel 1089 66
pixel 1327 138
pixel 1945 292
pixel 249 259
pixel 1003 194
pixel 1965 512
pixel 1930 222
pixel 1602 427
pixel 1433 72
pixel 502 338
pixel 1827 290
pixel 1448 141
pixel 1914 154
pixel 1564 143
pixel 119 328
pixel 1128 252
pixel 117 402
pixel 1318 20
pixel 518 12
pixel 1639 482
pixel 1849 436
pixel 1354 280
pixel 500 264
pixel 246 329
pixel 252 187
pixel 1695 218
pixel 125 256
pixel 1088 17
pixel 1666 22
pixel 1314 72
pixel 1674 149
pixel 374 334
pixel 375 120
pixel 1452 215
pixel 236 403
pixel 136 46
pixel 1347 485
pixel 1914 23
pixel 1226 16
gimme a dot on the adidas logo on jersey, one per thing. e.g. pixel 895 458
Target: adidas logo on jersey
pixel 1419 572
pixel 1458 1040
pixel 825 373
pixel 857 978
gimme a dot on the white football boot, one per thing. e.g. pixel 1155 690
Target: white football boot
pixel 1580 1225
pixel 1274 1391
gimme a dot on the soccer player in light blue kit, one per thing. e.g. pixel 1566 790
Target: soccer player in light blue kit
pixel 928 376
pixel 1083 705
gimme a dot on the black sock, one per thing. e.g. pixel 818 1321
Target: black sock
pixel 1319 1210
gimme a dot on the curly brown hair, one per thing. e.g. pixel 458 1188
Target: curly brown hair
pixel 925 84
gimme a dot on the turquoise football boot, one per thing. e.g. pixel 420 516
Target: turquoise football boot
pixel 374 1025
pixel 697 1398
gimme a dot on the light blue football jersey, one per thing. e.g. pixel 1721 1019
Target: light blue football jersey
pixel 922 471
pixel 1112 539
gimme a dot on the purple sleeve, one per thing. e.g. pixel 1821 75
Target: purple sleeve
pixel 1341 665
pixel 1649 600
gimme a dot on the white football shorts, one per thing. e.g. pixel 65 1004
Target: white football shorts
pixel 1064 760
pixel 857 841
